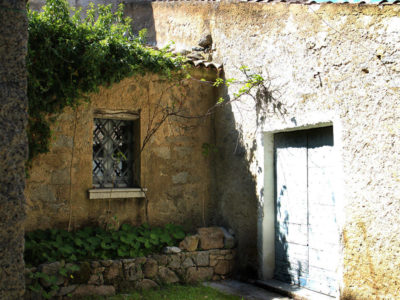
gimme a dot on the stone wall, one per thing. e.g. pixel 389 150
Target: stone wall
pixel 177 176
pixel 13 148
pixel 327 64
pixel 105 278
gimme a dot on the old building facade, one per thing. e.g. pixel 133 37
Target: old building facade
pixel 332 141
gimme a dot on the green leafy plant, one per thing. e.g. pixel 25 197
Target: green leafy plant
pixel 50 288
pixel 70 56
pixel 97 243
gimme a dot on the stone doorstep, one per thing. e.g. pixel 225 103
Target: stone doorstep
pixel 293 291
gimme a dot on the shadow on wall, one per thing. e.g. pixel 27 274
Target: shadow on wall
pixel 237 204
pixel 236 195
pixel 143 18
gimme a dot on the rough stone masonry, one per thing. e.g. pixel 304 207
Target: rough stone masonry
pixel 13 147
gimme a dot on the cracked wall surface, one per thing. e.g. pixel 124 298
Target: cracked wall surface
pixel 327 64
pixel 13 149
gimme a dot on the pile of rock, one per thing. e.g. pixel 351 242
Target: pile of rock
pixel 108 277
pixel 208 238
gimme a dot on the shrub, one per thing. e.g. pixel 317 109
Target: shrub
pixel 70 56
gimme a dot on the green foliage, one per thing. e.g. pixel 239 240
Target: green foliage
pixel 65 271
pixel 96 243
pixel 173 292
pixel 70 56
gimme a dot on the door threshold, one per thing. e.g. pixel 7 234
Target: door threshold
pixel 293 291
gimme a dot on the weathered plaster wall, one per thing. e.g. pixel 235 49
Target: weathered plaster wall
pixel 331 63
pixel 177 175
pixel 13 148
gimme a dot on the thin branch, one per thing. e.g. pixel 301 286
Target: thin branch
pixel 70 171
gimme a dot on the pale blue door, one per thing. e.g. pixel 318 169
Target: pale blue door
pixel 306 237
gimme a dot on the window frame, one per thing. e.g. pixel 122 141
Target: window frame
pixel 134 191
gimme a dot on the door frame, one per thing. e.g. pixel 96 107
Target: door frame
pixel 266 224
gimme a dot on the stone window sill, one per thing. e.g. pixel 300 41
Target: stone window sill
pixel 121 193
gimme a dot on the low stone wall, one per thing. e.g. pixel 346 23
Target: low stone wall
pixel 108 277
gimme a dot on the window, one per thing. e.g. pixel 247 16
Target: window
pixel 115 159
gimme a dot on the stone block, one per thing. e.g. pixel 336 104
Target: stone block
pixel 229 240
pixel 50 268
pixel 128 261
pixel 181 272
pixel 98 270
pixel 188 262
pixel 223 267
pixel 107 263
pixel 190 243
pixel 65 290
pixel 162 260
pixel 194 274
pixel 213 262
pixel 96 279
pixel 146 284
pixel 216 256
pixel 174 262
pixel 202 259
pixel 133 272
pixel 167 276
pixel 150 268
pixel 113 271
pixel 211 238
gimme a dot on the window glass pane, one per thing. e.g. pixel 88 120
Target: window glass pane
pixel 112 153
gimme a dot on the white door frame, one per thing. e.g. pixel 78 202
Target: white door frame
pixel 266 214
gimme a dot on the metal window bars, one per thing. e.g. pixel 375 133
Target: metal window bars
pixel 112 153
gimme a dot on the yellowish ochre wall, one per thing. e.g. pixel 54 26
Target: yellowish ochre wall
pixel 177 175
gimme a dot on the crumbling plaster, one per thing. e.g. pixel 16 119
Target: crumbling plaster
pixel 336 63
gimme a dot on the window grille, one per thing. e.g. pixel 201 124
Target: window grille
pixel 112 153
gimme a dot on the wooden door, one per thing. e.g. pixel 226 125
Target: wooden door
pixel 306 236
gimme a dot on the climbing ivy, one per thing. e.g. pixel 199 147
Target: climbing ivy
pixel 70 56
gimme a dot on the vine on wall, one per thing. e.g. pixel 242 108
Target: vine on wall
pixel 70 56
